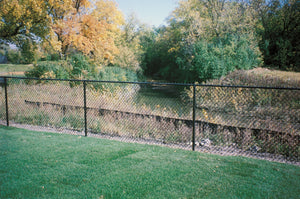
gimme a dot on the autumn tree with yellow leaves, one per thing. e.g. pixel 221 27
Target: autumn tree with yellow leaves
pixel 24 23
pixel 89 27
pixel 23 18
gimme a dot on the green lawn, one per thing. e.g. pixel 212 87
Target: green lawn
pixel 47 165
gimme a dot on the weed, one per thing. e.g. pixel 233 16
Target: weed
pixel 35 117
pixel 72 121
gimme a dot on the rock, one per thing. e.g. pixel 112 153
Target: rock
pixel 196 143
pixel 205 143
pixel 254 149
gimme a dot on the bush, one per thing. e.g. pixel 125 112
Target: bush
pixel 78 67
pixel 14 56
pixel 58 70
pixel 38 70
pixel 81 68
pixel 116 74
pixel 54 57
pixel 212 60
pixel 50 57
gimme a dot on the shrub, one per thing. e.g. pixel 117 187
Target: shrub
pixel 81 68
pixel 50 57
pixel 116 74
pixel 14 56
pixel 212 60
pixel 58 70
pixel 38 70
pixel 113 74
pixel 54 57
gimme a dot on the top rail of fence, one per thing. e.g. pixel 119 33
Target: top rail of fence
pixel 156 83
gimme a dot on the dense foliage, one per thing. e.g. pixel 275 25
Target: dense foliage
pixel 205 40
pixel 279 29
pixel 63 26
pixel 79 67
pixel 212 60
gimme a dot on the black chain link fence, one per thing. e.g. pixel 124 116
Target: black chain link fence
pixel 259 122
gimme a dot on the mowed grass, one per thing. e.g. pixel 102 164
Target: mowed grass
pixel 48 165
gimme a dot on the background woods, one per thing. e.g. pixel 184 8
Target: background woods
pixel 202 40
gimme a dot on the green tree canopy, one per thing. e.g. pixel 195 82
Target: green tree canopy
pixel 202 32
pixel 279 28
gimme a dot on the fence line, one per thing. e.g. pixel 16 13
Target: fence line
pixel 200 129
pixel 151 83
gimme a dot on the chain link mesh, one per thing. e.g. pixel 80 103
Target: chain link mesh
pixel 254 121
pixel 55 104
pixel 259 122
pixel 120 110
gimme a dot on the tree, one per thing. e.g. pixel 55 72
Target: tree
pixel 212 19
pixel 24 23
pixel 23 18
pixel 130 43
pixel 279 29
pixel 88 28
pixel 216 28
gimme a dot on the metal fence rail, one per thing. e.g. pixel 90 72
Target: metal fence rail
pixel 232 120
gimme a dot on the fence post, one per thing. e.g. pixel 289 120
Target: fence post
pixel 6 101
pixel 194 116
pixel 84 107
